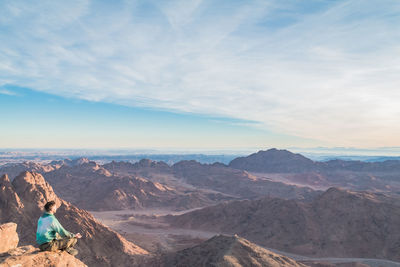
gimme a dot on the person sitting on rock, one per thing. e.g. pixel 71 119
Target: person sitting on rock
pixel 47 229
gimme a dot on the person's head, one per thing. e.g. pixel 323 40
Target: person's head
pixel 50 207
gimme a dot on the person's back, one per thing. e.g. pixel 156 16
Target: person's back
pixel 47 230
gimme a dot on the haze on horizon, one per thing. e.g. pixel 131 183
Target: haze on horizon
pixel 199 74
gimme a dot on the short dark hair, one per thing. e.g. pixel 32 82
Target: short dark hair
pixel 48 205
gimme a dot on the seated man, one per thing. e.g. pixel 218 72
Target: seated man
pixel 48 227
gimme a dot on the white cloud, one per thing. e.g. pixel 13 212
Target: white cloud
pixel 7 92
pixel 330 75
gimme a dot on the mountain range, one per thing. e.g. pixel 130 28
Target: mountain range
pixel 273 198
pixel 338 223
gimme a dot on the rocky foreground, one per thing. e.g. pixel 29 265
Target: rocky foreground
pixel 12 255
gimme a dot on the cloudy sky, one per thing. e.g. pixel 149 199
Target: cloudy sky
pixel 192 74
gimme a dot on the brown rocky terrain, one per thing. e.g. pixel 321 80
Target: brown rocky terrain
pixel 284 161
pixel 232 251
pixel 338 223
pixel 22 201
pixel 150 184
pixel 272 165
pixel 8 236
pixel 236 182
pixel 185 185
pixel 31 256
pixel 104 191
pixel 13 169
pixel 144 167
pixel 11 255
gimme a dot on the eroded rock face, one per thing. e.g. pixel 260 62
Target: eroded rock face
pixel 8 236
pixel 23 203
pixel 30 256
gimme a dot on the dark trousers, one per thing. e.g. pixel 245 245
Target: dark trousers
pixel 59 244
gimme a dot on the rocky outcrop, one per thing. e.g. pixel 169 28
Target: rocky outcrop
pixel 24 200
pixel 31 256
pixel 8 236
pixel 11 206
pixel 11 255
pixel 339 223
pixel 233 251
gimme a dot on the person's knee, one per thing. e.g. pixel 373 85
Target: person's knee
pixel 72 241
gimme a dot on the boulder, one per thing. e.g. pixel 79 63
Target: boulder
pixel 31 256
pixel 8 237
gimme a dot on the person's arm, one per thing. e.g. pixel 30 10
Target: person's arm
pixel 59 229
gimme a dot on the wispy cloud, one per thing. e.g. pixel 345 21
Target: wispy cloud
pixel 326 70
pixel 7 92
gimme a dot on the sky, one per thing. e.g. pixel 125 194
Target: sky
pixel 199 74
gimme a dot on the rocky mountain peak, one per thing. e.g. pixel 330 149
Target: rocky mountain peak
pixel 9 199
pixel 273 160
pixel 81 161
pixel 223 250
pixel 145 162
pixel 33 190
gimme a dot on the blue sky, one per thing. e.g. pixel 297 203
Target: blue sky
pixel 199 74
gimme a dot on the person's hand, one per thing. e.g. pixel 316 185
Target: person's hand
pixel 78 235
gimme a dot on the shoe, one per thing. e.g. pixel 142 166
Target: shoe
pixel 72 251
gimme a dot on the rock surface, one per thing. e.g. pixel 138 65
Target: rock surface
pixel 30 256
pixel 8 236
pixel 23 203
pixel 231 251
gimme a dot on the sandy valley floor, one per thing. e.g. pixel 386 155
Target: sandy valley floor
pixel 146 229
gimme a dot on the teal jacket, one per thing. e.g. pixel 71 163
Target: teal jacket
pixel 48 226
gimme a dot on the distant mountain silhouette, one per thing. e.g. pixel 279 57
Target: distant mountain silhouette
pixel 281 161
pixel 273 160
